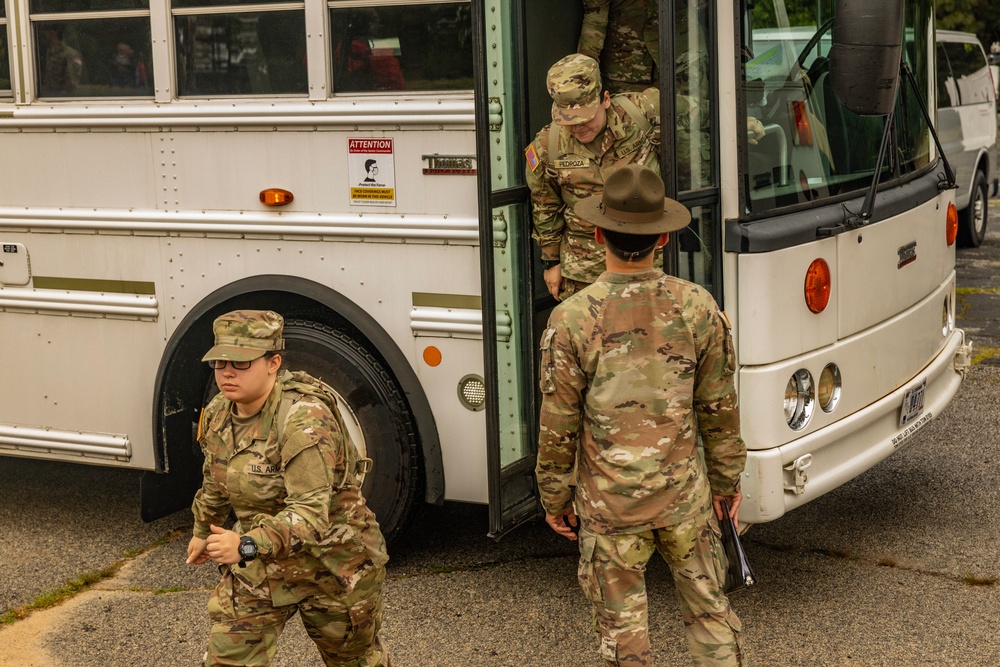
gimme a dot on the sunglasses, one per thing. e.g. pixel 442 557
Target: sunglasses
pixel 219 364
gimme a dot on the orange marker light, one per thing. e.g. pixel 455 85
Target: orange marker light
pixel 951 224
pixel 275 197
pixel 432 356
pixel 817 287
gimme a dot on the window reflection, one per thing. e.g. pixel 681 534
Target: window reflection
pixel 252 53
pixel 418 47
pixel 99 57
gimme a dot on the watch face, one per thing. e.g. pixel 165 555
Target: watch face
pixel 248 549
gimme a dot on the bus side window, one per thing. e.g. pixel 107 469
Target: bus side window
pixel 86 55
pixel 233 52
pixel 5 87
pixel 401 47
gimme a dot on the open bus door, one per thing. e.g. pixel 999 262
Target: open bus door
pixel 515 42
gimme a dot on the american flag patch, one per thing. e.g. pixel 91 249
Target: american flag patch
pixel 532 157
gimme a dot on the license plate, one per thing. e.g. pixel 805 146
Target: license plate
pixel 913 403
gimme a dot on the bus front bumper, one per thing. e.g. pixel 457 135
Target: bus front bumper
pixel 783 478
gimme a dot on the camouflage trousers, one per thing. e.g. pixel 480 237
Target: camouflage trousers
pixel 246 627
pixel 612 574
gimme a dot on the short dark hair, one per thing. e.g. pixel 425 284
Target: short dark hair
pixel 629 247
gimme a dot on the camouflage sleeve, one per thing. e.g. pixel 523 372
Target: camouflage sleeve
pixel 715 399
pixel 594 28
pixel 210 506
pixel 546 197
pixel 649 104
pixel 562 384
pixel 308 483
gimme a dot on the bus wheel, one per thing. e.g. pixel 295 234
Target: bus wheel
pixel 374 411
pixel 972 226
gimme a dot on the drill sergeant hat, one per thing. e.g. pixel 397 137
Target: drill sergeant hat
pixel 633 203
pixel 245 335
pixel 574 83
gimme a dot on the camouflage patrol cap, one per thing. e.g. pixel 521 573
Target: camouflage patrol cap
pixel 632 202
pixel 574 83
pixel 245 335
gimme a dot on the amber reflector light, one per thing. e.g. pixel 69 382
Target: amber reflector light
pixel 951 230
pixel 275 197
pixel 432 356
pixel 817 286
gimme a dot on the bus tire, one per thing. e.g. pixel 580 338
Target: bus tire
pixel 376 406
pixel 972 222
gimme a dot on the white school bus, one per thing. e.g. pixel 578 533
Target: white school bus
pixel 357 166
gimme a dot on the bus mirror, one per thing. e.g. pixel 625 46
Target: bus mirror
pixel 864 56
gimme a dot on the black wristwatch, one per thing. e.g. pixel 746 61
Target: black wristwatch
pixel 549 263
pixel 247 550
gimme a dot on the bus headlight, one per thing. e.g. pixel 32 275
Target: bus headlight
pixel 947 317
pixel 472 392
pixel 829 388
pixel 799 399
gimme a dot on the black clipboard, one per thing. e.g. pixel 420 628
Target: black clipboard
pixel 739 574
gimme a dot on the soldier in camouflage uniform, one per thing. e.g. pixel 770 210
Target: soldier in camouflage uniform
pixel 623 35
pixel 591 134
pixel 635 370
pixel 304 540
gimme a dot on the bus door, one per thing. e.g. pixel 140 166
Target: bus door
pixel 518 41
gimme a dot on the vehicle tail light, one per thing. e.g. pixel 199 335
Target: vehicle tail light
pixel 803 132
pixel 951 227
pixel 817 286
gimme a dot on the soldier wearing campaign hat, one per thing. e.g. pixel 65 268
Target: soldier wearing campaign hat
pixel 635 370
pixel 592 133
pixel 278 455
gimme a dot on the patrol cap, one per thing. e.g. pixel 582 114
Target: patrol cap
pixel 633 203
pixel 245 335
pixel 574 83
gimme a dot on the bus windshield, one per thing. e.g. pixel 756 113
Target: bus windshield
pixel 814 147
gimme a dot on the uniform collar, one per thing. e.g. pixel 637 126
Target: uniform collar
pixel 641 276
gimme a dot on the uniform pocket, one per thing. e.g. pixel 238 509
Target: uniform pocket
pixel 586 573
pixel 545 381
pixel 366 618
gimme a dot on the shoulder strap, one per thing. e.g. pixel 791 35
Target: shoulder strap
pixel 634 113
pixel 553 147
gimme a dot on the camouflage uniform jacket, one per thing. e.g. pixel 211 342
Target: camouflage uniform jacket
pixel 623 36
pixel 634 368
pixel 295 491
pixel 558 182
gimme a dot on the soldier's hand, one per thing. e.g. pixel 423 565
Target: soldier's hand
pixel 196 551
pixel 755 130
pixel 563 523
pixel 223 546
pixel 553 280
pixel 734 507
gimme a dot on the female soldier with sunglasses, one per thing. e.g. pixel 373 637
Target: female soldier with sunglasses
pixel 304 540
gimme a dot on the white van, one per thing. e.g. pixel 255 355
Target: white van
pixel 967 126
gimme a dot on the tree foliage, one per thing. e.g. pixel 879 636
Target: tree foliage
pixel 978 16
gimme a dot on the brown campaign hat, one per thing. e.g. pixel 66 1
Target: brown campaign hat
pixel 633 203
pixel 574 83
pixel 245 335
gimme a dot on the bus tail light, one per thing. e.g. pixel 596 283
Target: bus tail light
pixel 817 286
pixel 275 197
pixel 951 228
pixel 472 392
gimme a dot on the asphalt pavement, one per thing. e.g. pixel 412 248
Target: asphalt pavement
pixel 898 567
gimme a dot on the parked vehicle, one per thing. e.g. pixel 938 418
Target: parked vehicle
pixel 967 125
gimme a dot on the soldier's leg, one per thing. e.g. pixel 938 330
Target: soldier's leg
pixel 612 575
pixel 346 628
pixel 245 626
pixel 693 549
